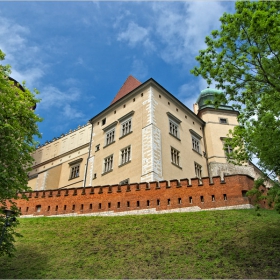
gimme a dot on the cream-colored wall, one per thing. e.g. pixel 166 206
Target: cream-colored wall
pixel 51 160
pixel 131 170
pixel 214 130
pixel 150 143
pixel 187 156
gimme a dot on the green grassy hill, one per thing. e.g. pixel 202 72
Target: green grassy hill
pixel 214 244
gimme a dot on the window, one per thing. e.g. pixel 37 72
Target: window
pixel 173 125
pixel 126 123
pixel 173 129
pixel 103 121
pixel 125 155
pixel 75 171
pixel 126 127
pixel 223 121
pixel 110 137
pixel 175 156
pixel 195 144
pixel 109 131
pixel 195 141
pixel 228 149
pixel 75 168
pixel 38 208
pixel 97 147
pixel 198 170
pixel 108 164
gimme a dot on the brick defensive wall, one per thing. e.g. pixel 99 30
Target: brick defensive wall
pixel 139 198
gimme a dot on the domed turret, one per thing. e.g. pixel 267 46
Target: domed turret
pixel 209 95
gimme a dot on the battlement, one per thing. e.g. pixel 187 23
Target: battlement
pixel 156 196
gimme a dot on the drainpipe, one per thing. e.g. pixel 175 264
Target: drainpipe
pixel 90 143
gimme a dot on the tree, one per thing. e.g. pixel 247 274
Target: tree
pixel 18 126
pixel 243 60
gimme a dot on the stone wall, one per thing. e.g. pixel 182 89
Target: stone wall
pixel 164 196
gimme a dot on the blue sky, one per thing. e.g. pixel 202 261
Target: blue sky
pixel 78 54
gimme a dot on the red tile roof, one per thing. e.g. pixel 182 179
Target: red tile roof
pixel 130 84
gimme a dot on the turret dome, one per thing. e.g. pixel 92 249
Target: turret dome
pixel 209 94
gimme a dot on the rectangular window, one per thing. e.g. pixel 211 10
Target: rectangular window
pixel 125 155
pixel 108 164
pixel 228 149
pixel 75 168
pixel 174 124
pixel 173 128
pixel 195 144
pixel 175 156
pixel 198 170
pixel 110 137
pixel 223 121
pixel 126 127
pixel 75 171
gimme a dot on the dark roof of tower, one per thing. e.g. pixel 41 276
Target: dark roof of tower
pixel 209 95
pixel 129 85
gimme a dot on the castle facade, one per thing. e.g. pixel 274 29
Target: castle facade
pixel 146 134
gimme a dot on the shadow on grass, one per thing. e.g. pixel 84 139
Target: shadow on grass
pixel 256 254
pixel 27 263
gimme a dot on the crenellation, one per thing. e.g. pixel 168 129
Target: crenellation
pixel 80 201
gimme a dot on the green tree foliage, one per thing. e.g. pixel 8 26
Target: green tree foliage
pixel 18 126
pixel 243 60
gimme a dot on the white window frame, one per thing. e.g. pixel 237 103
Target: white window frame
pixel 126 127
pixel 110 137
pixel 196 144
pixel 196 141
pixel 174 125
pixel 198 170
pixel 175 156
pixel 75 169
pixel 125 155
pixel 108 163
pixel 126 124
pixel 110 134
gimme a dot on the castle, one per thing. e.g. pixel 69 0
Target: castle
pixel 145 136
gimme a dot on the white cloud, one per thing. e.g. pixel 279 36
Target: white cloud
pixel 53 97
pixel 134 35
pixel 176 31
pixel 23 57
pixel 182 29
pixel 71 113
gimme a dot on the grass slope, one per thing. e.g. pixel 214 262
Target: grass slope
pixel 214 244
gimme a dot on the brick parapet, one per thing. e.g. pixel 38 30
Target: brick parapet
pixel 158 195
